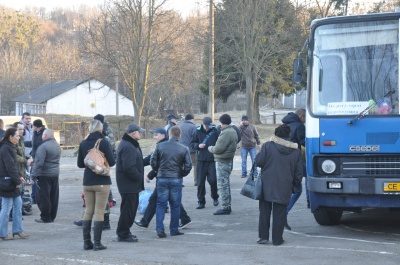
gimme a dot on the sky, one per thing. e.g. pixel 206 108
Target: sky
pixel 183 6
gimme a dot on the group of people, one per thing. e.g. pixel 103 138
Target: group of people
pixel 25 145
pixel 207 149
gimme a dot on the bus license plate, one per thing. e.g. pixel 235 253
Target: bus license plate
pixel 391 186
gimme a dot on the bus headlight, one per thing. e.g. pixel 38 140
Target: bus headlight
pixel 328 166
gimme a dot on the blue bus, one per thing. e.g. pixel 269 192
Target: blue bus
pixel 353 118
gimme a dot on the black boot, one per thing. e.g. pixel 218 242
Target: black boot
pixel 98 229
pixel 106 224
pixel 87 241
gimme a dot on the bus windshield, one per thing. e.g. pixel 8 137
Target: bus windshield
pixel 355 66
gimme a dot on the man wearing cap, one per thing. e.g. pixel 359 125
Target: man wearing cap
pixel 249 140
pixel 129 175
pixel 172 162
pixel 188 130
pixel 160 135
pixel 224 151
pixel 172 121
pixel 38 130
pixel 206 135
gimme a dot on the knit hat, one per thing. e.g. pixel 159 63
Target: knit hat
pixel 189 117
pixel 37 123
pixel 225 119
pixel 99 117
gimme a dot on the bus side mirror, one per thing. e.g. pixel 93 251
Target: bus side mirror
pixel 297 70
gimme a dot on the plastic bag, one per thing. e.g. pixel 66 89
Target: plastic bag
pixel 144 200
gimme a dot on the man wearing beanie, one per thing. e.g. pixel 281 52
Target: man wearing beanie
pixel 188 130
pixel 224 151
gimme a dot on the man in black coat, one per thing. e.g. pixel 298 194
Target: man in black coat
pixel 206 135
pixel 130 174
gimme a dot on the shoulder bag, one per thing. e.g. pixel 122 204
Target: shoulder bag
pixel 96 161
pixel 253 187
pixel 6 184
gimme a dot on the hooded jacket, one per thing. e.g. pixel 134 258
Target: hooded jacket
pixel 297 129
pixel 281 170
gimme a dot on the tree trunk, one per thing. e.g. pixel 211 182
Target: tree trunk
pixel 257 118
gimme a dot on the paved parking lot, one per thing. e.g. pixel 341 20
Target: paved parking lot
pixel 371 238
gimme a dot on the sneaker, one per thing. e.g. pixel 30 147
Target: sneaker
pixel 184 225
pixel 216 202
pixel 141 225
pixel 244 176
pixel 177 234
pixel 200 206
pixel 262 241
pixel 161 234
pixel 223 211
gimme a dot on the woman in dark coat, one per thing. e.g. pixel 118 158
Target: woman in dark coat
pixel 281 173
pixel 11 199
pixel 95 187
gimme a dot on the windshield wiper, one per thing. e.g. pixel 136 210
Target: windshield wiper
pixel 366 110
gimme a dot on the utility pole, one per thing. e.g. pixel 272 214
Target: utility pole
pixel 211 63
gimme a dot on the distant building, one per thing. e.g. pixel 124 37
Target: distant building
pixel 75 97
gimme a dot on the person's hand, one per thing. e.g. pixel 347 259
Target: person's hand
pixel 18 186
pixel 147 180
pixel 31 181
pixel 259 146
pixel 22 179
pixel 201 146
pixel 29 162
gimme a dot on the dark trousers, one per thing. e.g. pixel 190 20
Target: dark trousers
pixel 151 211
pixel 128 208
pixel 206 171
pixel 47 195
pixel 278 220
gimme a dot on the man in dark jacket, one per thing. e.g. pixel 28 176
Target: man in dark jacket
pixel 188 130
pixel 130 174
pixel 172 162
pixel 281 173
pixel 160 135
pixel 206 135
pixel 45 172
pixel 296 122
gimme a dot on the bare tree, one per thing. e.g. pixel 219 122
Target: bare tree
pixel 130 35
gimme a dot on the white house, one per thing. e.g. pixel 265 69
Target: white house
pixel 75 97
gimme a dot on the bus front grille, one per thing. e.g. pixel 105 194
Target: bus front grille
pixel 379 166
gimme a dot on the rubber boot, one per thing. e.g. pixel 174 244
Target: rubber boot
pixel 106 224
pixel 87 241
pixel 98 229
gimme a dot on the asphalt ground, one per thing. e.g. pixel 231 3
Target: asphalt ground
pixel 370 238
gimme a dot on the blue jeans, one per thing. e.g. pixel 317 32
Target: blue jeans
pixel 168 189
pixel 296 196
pixel 6 205
pixel 243 153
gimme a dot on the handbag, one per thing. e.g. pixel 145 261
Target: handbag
pixel 144 200
pixel 96 161
pixel 252 188
pixel 6 184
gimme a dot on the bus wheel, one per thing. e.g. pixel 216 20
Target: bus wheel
pixel 328 216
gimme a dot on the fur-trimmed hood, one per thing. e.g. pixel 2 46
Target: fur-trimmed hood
pixel 283 146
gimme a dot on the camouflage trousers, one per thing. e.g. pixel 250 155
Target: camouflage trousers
pixel 224 170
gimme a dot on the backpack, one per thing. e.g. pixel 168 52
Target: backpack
pixel 96 161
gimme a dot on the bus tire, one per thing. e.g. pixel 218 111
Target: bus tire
pixel 328 216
